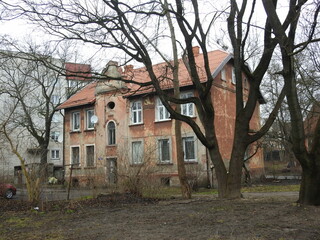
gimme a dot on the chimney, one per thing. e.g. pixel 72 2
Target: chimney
pixel 128 68
pixel 111 70
pixel 195 51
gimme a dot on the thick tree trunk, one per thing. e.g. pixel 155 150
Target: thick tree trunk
pixel 310 187
pixel 220 171
pixel 235 174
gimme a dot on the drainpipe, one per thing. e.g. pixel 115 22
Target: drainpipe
pixel 63 146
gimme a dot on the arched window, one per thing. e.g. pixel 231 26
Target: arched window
pixel 111 133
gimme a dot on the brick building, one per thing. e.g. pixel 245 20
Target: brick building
pixel 111 126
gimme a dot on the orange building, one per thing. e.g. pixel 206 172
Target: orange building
pixel 112 127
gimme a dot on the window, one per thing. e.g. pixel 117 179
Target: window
pixel 136 112
pixel 162 113
pixel 75 84
pixel 90 156
pixel 189 149
pixel 233 78
pixel 137 152
pixel 55 154
pixel 76 121
pixel 89 114
pixel 55 99
pixel 75 156
pixel 223 75
pixel 164 150
pixel 187 109
pixel 111 128
pixel 55 136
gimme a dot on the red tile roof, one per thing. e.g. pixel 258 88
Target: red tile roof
pixel 217 60
pixel 83 97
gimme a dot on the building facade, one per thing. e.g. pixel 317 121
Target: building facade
pixel 110 129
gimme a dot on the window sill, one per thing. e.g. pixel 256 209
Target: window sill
pixel 190 162
pixel 75 131
pixel 135 124
pixel 165 163
pixel 89 130
pixel 111 145
pixel 160 121
pixel 193 116
pixel 75 167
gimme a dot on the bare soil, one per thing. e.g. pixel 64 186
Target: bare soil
pixel 125 216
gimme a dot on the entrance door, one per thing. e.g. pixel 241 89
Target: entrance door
pixel 112 170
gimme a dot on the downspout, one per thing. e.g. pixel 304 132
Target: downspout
pixel 63 146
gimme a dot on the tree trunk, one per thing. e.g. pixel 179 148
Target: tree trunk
pixel 310 187
pixel 235 174
pixel 220 171
pixel 185 186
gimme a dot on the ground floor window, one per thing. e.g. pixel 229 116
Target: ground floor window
pixel 137 152
pixel 164 150
pixel 189 149
pixel 75 156
pixel 55 154
pixel 90 156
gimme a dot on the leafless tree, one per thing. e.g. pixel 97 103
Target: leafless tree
pixel 131 28
pixel 286 34
pixel 26 81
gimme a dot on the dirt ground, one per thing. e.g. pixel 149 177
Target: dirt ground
pixel 123 216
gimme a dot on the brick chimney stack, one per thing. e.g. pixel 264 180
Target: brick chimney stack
pixel 195 51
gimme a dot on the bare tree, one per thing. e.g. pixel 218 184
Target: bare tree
pixel 309 159
pixel 6 129
pixel 27 81
pixel 115 24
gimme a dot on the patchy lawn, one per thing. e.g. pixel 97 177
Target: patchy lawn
pixel 124 216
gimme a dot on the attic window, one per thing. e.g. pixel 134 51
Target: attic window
pixel 111 105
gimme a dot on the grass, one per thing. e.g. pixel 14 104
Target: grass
pixel 272 188
pixel 168 192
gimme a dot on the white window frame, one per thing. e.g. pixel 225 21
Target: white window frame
pixel 54 135
pixel 223 74
pixel 187 109
pixel 194 149
pixel 71 155
pixel 160 154
pixel 55 154
pixel 86 154
pixel 111 137
pixel 139 159
pixel 233 76
pixel 73 114
pixel 89 124
pixel 136 115
pixel 162 113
